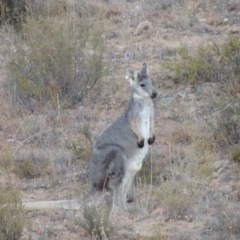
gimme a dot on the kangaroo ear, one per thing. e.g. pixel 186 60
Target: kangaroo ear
pixel 132 75
pixel 144 70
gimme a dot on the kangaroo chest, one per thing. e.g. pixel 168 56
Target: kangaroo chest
pixel 144 124
pixel 144 121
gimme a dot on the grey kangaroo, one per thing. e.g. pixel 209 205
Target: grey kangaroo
pixel 119 152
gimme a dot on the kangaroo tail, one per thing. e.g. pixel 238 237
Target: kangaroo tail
pixel 73 204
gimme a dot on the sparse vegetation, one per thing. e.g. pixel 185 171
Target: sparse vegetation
pixel 150 171
pixel 30 169
pixel 226 127
pixel 63 77
pixel 157 236
pixel 198 68
pixel 214 63
pixel 12 218
pixel 235 151
pixel 6 158
pixel 176 196
pixel 200 158
pixel 82 147
pixel 13 12
pixel 209 63
pixel 228 224
pixel 96 221
pixel 237 196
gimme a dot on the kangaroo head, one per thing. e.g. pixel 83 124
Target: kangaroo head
pixel 140 83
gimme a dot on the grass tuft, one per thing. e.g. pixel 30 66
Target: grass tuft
pixel 96 221
pixel 12 218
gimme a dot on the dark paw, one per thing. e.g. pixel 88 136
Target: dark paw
pixel 141 143
pixel 151 140
pixel 130 199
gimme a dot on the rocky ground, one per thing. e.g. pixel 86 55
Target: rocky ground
pixel 183 199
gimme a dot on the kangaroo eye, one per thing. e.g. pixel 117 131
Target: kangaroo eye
pixel 142 85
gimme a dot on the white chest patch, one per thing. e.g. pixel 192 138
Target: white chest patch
pixel 135 162
pixel 144 121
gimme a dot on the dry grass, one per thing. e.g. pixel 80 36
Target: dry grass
pixel 96 221
pixel 64 77
pixel 177 196
pixel 6 158
pixel 12 219
pixel 235 151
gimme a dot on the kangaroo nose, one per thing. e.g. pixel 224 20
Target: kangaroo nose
pixel 154 95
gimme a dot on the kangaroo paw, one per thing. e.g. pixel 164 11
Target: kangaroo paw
pixel 141 143
pixel 151 140
pixel 130 199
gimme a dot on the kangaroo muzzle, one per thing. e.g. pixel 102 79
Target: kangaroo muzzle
pixel 154 94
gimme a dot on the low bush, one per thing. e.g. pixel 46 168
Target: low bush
pixel 198 68
pixel 12 218
pixel 59 59
pixel 209 63
pixel 13 12
pixel 96 221
pixel 30 169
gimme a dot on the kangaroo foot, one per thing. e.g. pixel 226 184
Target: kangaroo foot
pixel 151 140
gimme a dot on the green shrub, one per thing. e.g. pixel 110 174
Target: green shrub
pixel 13 12
pixel 60 59
pixel 198 68
pixel 230 56
pixel 209 63
pixel 12 219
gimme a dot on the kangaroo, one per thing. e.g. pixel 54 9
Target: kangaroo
pixel 119 152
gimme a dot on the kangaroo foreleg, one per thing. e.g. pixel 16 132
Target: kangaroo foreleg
pixel 135 129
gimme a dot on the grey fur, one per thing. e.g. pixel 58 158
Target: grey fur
pixel 119 152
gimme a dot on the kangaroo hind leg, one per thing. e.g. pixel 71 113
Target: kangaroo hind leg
pixel 115 173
